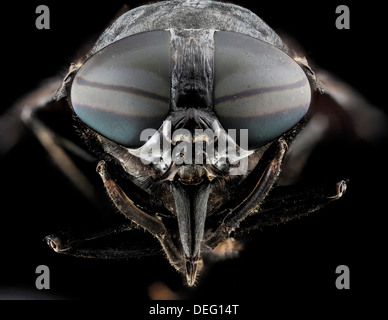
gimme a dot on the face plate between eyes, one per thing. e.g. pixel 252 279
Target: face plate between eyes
pixel 125 87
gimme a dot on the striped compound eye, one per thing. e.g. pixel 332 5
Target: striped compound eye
pixel 125 88
pixel 257 87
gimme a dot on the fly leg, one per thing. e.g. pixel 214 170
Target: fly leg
pixel 287 203
pixel 99 243
pixel 29 112
pixel 58 149
pixel 301 149
pixel 249 204
pixel 149 223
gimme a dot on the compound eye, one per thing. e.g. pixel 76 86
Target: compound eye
pixel 257 87
pixel 124 88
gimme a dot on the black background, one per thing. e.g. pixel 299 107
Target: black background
pixel 296 261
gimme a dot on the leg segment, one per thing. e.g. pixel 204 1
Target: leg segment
pixel 287 203
pixel 248 205
pixel 108 243
pixel 151 224
pixel 51 142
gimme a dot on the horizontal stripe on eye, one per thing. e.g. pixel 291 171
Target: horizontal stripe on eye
pixel 124 129
pixel 303 107
pixel 83 106
pixel 264 128
pixel 257 91
pixel 126 89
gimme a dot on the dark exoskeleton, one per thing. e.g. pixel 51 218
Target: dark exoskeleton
pixel 190 207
